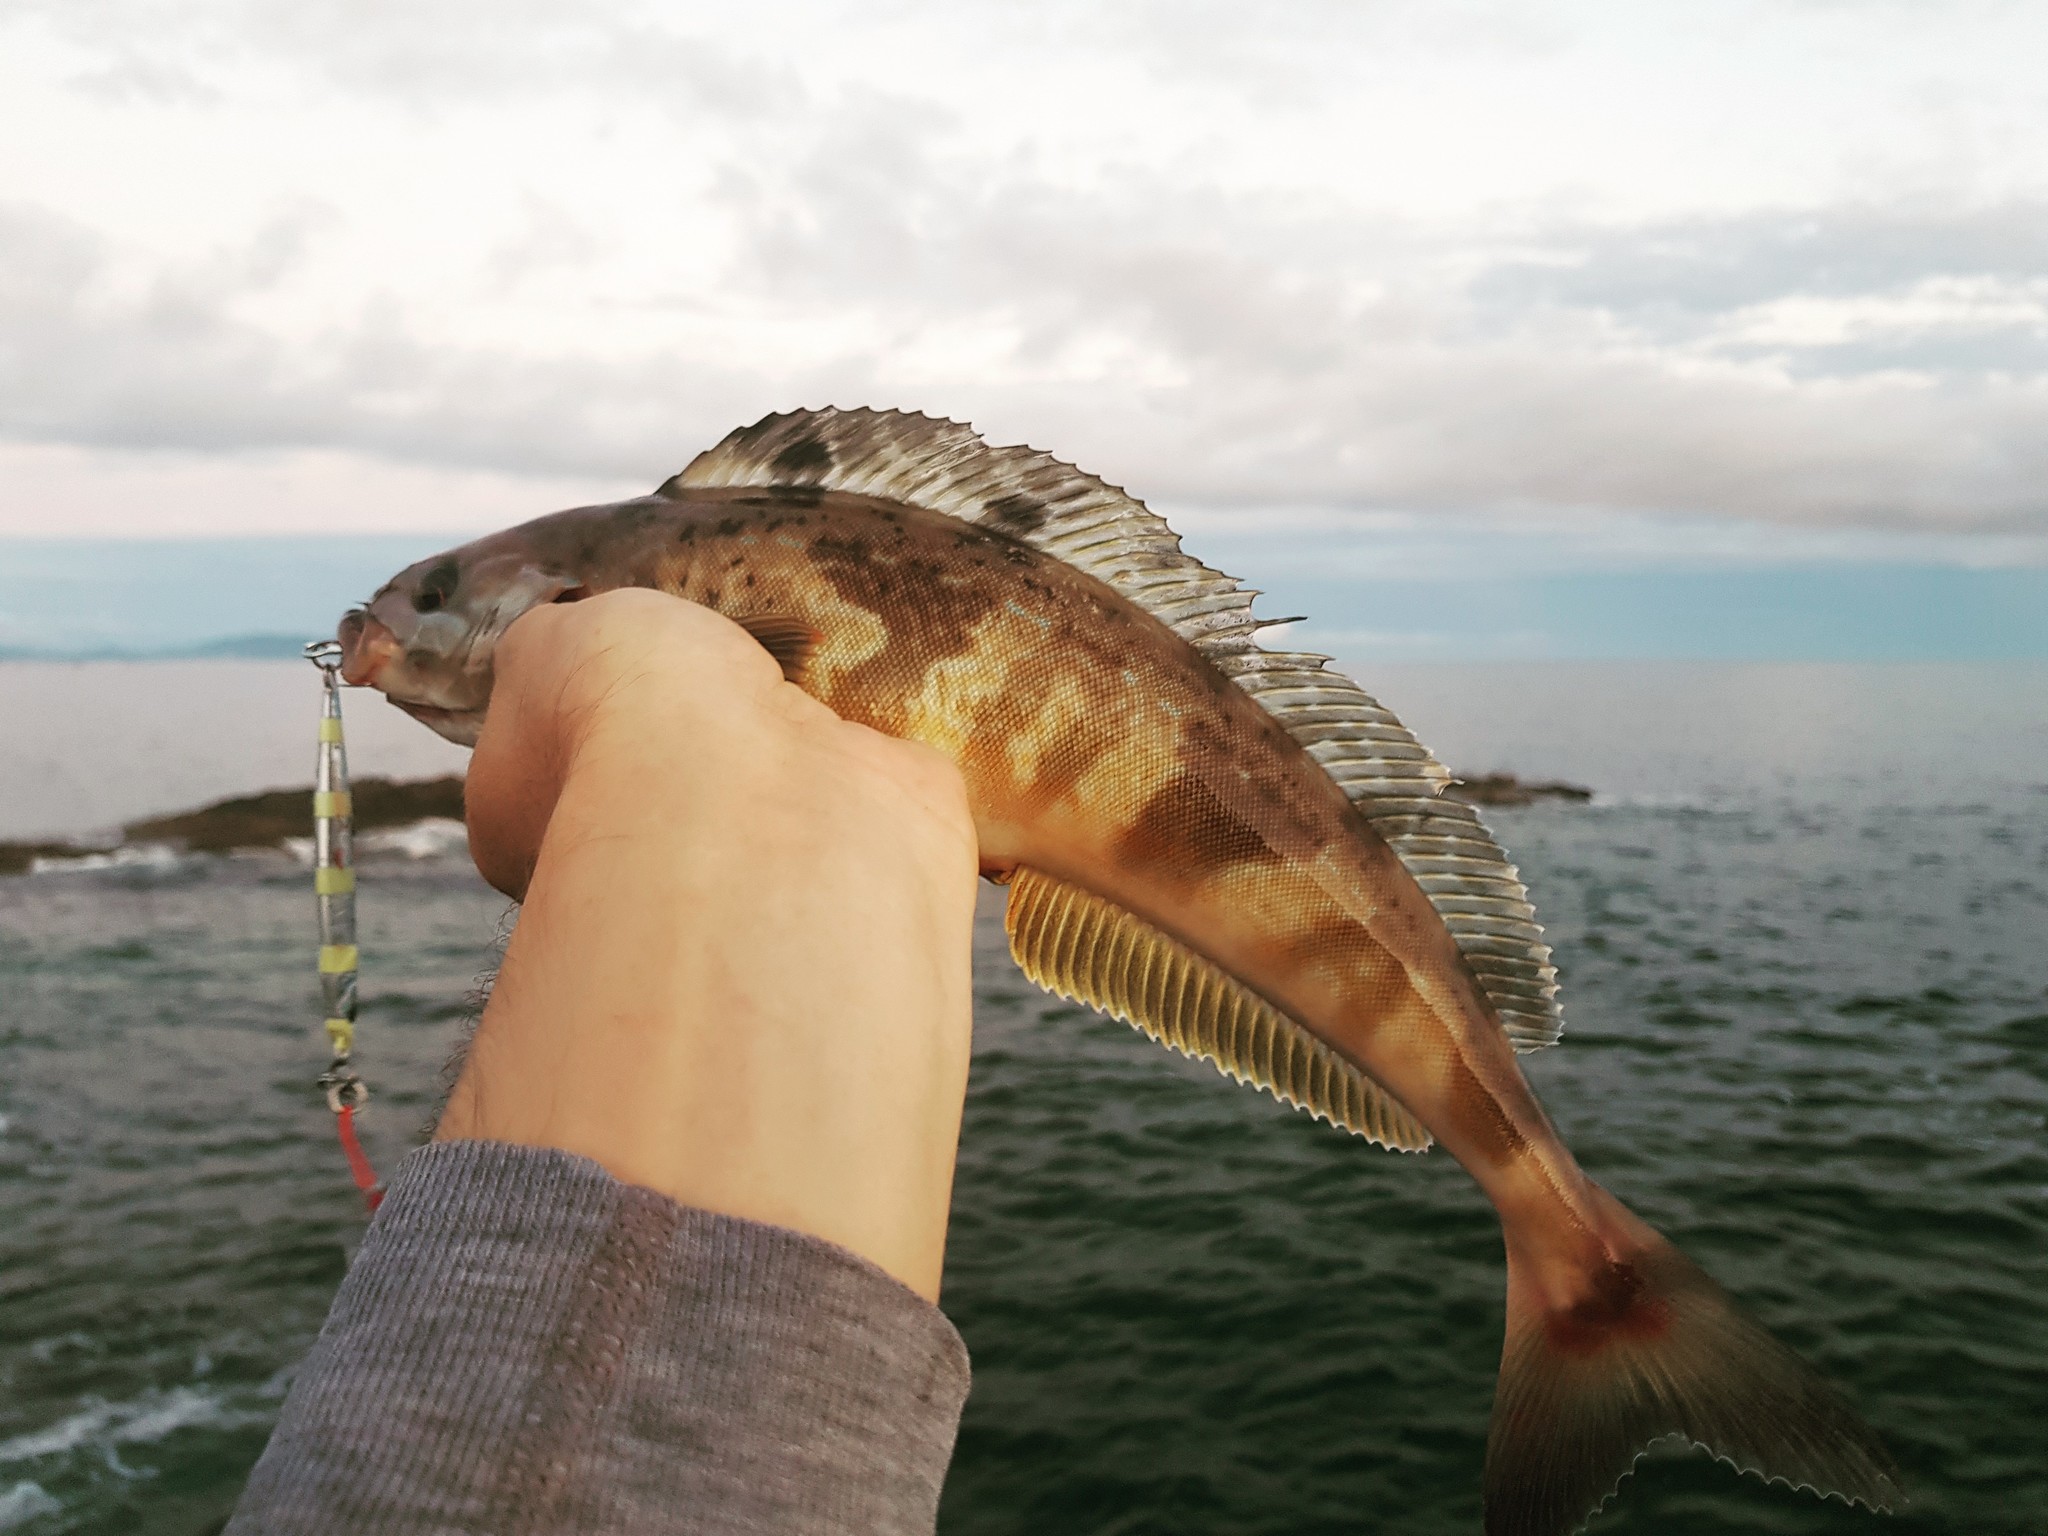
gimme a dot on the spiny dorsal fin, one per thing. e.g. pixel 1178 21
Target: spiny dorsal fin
pixel 1081 946
pixel 944 466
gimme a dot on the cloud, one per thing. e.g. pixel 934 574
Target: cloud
pixel 529 239
pixel 429 55
pixel 101 349
pixel 1116 329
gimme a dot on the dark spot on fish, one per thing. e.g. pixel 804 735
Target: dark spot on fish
pixel 735 562
pixel 798 495
pixel 833 546
pixel 1017 554
pixel 1187 830
pixel 437 586
pixel 1016 514
pixel 1065 762
pixel 806 456
pixel 728 526
pixel 687 534
pixel 1326 938
pixel 929 602
pixel 1619 1304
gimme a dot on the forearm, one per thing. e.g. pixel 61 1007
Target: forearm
pixel 527 1344
pixel 741 975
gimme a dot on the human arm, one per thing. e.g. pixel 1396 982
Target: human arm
pixel 669 1263
pixel 740 976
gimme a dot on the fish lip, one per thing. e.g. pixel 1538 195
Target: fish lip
pixel 368 646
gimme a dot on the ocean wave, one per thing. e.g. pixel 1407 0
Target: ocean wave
pixel 1606 800
pixel 150 858
pixel 23 1503
pixel 140 1421
pixel 437 837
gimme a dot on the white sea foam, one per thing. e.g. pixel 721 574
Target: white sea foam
pixel 64 1435
pixel 435 838
pixel 156 857
pixel 22 1503
pixel 139 1422
pixel 178 1409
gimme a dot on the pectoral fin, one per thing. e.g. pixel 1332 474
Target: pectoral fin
pixel 1081 946
pixel 790 641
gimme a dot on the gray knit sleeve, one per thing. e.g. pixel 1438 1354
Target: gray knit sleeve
pixel 526 1345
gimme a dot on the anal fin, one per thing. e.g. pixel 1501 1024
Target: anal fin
pixel 1082 946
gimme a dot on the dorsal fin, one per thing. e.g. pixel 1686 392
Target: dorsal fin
pixel 944 466
pixel 1082 946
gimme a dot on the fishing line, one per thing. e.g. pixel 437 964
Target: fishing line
pixel 334 889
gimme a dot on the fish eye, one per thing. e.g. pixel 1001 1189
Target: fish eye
pixel 436 587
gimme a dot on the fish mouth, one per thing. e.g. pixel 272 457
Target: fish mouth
pixel 367 647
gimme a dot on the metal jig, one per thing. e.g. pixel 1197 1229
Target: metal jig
pixel 334 887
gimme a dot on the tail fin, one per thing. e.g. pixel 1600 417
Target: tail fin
pixel 1653 1349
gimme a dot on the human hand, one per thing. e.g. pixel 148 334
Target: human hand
pixel 741 974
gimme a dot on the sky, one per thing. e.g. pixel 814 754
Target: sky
pixel 1531 328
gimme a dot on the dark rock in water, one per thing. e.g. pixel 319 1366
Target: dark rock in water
pixel 15 858
pixel 265 820
pixel 1506 789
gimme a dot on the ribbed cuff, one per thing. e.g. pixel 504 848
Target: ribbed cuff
pixel 525 1344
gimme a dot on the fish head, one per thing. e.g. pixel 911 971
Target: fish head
pixel 426 640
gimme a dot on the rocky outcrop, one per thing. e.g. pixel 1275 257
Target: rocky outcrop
pixel 1506 789
pixel 262 821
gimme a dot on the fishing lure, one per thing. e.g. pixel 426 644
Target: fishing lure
pixel 334 892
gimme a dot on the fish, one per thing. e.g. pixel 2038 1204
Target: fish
pixel 1233 848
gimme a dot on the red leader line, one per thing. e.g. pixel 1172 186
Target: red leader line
pixel 358 1164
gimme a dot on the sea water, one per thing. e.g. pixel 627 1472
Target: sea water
pixel 1803 931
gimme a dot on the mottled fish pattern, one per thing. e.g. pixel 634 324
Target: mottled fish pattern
pixel 1234 849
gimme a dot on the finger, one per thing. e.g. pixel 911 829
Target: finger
pixel 515 773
